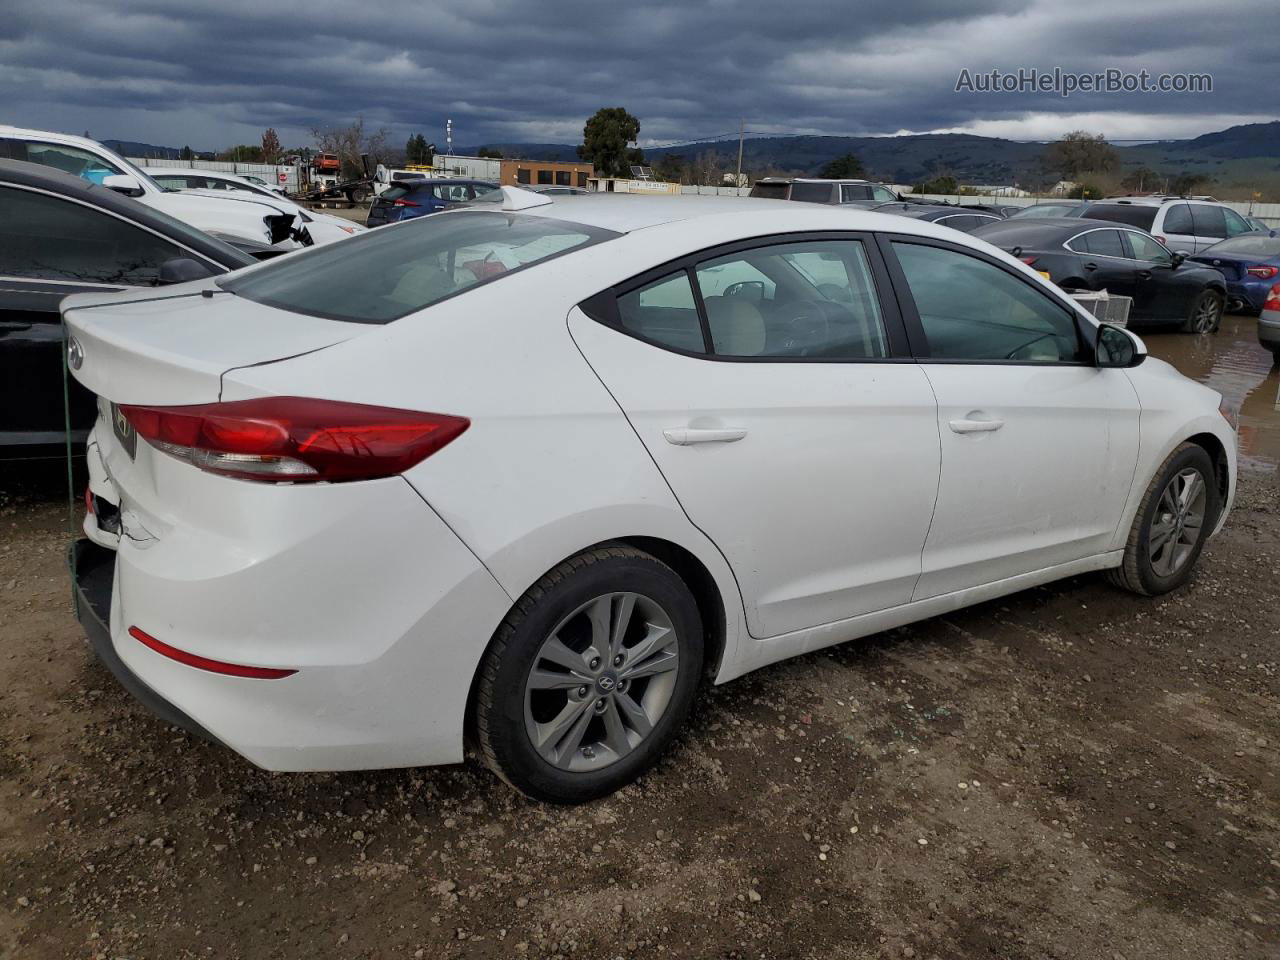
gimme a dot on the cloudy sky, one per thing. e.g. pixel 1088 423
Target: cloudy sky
pixel 211 73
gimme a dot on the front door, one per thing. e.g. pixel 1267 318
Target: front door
pixel 764 383
pixel 1038 445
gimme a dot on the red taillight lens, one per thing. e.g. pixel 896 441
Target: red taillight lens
pixel 1266 273
pixel 295 439
pixel 204 663
pixel 1029 260
pixel 1273 299
pixel 404 203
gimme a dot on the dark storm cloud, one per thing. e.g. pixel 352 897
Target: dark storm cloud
pixel 211 72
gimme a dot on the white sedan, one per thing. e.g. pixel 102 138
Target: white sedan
pixel 537 471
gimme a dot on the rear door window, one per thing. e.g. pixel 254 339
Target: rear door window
pixel 1209 221
pixel 48 238
pixel 1102 243
pixel 665 312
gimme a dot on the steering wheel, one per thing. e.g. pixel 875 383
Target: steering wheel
pixel 805 326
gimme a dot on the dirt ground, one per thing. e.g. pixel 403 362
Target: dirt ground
pixel 1070 772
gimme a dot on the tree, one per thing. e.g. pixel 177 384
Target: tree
pixel 670 167
pixel 606 137
pixel 490 153
pixel 1141 179
pixel 418 152
pixel 1080 152
pixel 349 143
pixel 1187 183
pixel 270 146
pixel 244 153
pixel 186 154
pixel 844 167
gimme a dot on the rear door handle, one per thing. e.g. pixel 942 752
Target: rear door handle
pixel 1091 266
pixel 975 426
pixel 684 436
pixel 1144 274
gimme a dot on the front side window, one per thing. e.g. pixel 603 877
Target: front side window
pixel 664 312
pixel 72 160
pixel 883 193
pixel 973 310
pixel 383 275
pixel 49 238
pixel 1177 219
pixel 1147 248
pixel 1236 224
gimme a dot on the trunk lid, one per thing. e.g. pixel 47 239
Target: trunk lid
pixel 172 345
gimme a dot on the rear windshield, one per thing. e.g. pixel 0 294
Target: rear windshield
pixel 1258 245
pixel 1133 214
pixel 387 273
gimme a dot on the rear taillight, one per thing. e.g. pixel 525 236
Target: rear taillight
pixel 404 203
pixel 295 439
pixel 1273 299
pixel 1029 260
pixel 1266 273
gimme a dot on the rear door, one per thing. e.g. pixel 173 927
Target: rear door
pixel 1177 230
pixel 50 247
pixel 1038 445
pixel 769 382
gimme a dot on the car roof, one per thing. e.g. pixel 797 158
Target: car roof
pixel 22 133
pixel 39 177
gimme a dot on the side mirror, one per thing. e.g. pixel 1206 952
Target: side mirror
pixel 182 270
pixel 122 183
pixel 1117 348
pixel 1179 257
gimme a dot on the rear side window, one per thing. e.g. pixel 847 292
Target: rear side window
pixel 973 310
pixel 855 191
pixel 383 275
pixel 1135 215
pixel 811 192
pixel 48 238
pixel 664 312
pixel 1178 219
pixel 1102 243
pixel 770 191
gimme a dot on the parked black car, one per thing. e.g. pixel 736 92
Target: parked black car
pixel 60 234
pixel 966 218
pixel 1051 208
pixel 1082 254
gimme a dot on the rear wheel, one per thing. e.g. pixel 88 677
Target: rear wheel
pixel 590 676
pixel 1205 315
pixel 1177 512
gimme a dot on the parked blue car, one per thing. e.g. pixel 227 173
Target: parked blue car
pixel 1250 263
pixel 407 199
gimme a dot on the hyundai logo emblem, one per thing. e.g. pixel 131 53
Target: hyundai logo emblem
pixel 75 354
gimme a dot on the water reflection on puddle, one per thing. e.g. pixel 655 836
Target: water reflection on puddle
pixel 1232 362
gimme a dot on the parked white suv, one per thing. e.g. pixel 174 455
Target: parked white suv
pixel 258 220
pixel 1183 224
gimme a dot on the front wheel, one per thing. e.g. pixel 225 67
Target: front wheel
pixel 1205 315
pixel 590 676
pixel 1177 512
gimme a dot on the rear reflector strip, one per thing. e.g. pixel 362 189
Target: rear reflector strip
pixel 204 663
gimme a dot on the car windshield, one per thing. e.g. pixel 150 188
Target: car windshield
pixel 386 274
pixel 1135 215
pixel 1259 245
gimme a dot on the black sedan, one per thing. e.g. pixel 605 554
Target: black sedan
pixel 60 234
pixel 1079 254
pixel 967 219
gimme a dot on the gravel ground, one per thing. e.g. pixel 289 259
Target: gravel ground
pixel 1070 772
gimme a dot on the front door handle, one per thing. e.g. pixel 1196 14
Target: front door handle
pixel 975 426
pixel 684 436
pixel 1091 265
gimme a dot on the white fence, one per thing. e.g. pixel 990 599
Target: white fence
pixel 1268 213
pixel 267 171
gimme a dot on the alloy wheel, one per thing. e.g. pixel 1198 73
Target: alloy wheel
pixel 1206 317
pixel 1177 523
pixel 601 681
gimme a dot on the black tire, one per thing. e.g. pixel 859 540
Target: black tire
pixel 357 195
pixel 1138 573
pixel 1205 315
pixel 503 739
